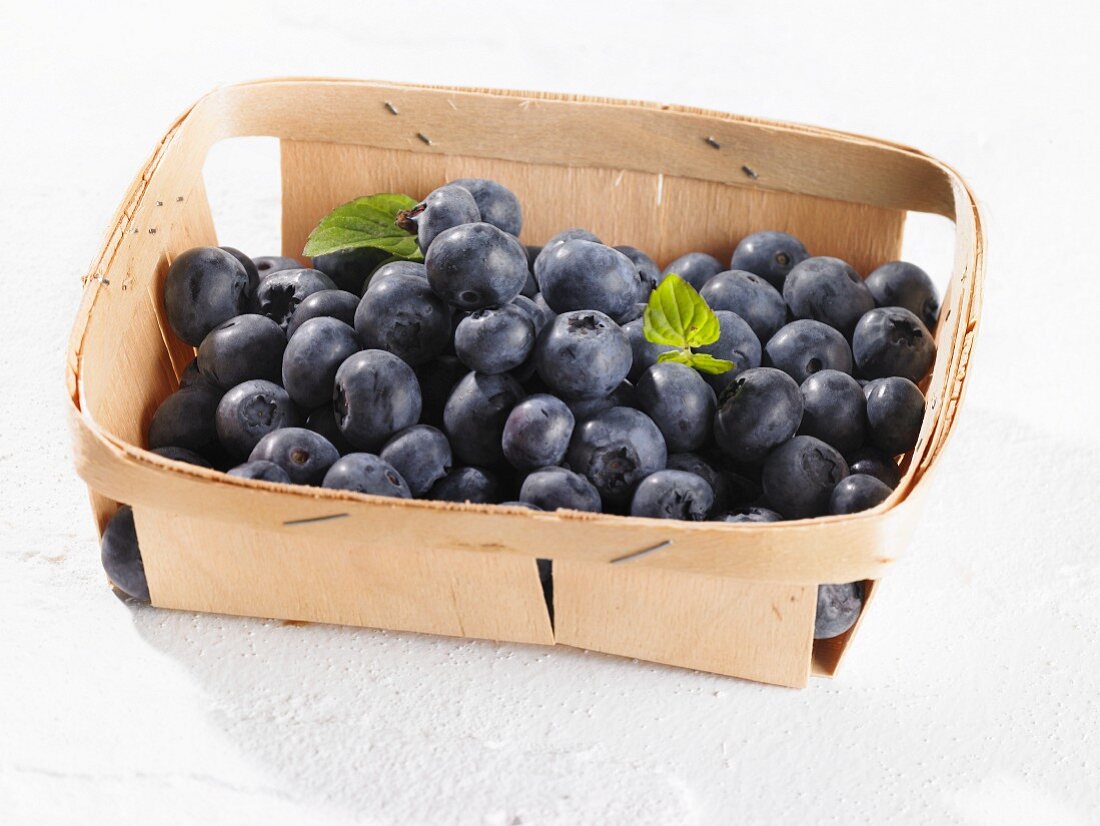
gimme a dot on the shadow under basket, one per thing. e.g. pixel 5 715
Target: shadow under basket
pixel 735 599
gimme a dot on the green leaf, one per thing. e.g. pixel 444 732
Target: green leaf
pixel 370 221
pixel 677 316
pixel 678 356
pixel 706 363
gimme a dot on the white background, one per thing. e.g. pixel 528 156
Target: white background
pixel 970 696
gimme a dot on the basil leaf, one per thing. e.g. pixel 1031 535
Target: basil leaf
pixel 370 221
pixel 677 316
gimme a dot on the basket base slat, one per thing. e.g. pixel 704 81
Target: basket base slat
pixel 280 575
pixel 755 630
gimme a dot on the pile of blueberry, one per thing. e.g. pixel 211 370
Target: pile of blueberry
pixel 494 372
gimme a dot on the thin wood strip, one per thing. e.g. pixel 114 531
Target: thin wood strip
pixel 758 631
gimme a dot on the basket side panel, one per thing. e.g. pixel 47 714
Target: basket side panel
pixel 131 359
pixel 755 630
pixel 202 565
pixel 664 215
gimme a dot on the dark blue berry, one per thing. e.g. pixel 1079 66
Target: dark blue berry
pixel 680 403
pixel 804 347
pixel 799 477
pixel 696 268
pixel 279 295
pixel 350 269
pixel 838 608
pixel 250 411
pixel 771 255
pixel 759 410
pixel 312 356
pixel 537 432
pixel 737 343
pixel 445 208
pixel 497 204
pixel 834 409
pixel 400 314
pixel 421 454
pixel 268 264
pixel 476 265
pixel 827 290
pixel 901 284
pixel 672 494
pixel 245 347
pixel 615 450
pixel 555 487
pixel 366 473
pixel 475 415
pixel 895 411
pixel 121 555
pixel 204 287
pixel 584 275
pixel 186 419
pixel 647 272
pixel 751 513
pixel 875 462
pixel 304 455
pixel 495 339
pixel 338 304
pixel 467 484
pixel 891 341
pixel 182 454
pixel 749 296
pixel 376 394
pixel 857 492
pixel 583 354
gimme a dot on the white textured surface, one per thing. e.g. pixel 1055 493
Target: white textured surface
pixel 973 691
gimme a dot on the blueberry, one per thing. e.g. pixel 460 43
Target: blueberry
pixel 895 411
pixel 901 284
pixel 760 410
pixel 804 347
pixel 749 296
pixel 838 607
pixel 696 268
pixel 648 274
pixel 191 377
pixel 751 513
pixel 643 352
pixel 694 463
pixel 476 265
pixel 537 432
pixel 279 295
pixel 621 396
pixel 394 267
pixel 555 487
pixel 680 403
pixel 874 462
pixel 376 395
pixel 495 339
pixel 312 356
pixel 338 304
pixel 304 455
pixel 737 343
pixel 475 415
pixel 366 473
pixel 445 208
pixel 891 341
pixel 833 409
pixel 186 419
pixel 615 450
pixel 857 492
pixel 246 347
pixel 437 380
pixel 827 290
pixel 350 269
pixel 540 314
pixel 467 484
pixel 268 264
pixel 182 454
pixel 583 354
pixel 121 555
pixel 497 204
pixel 401 314
pixel 204 287
pixel 799 476
pixel 421 454
pixel 584 275
pixel 249 267
pixel 771 255
pixel 250 411
pixel 262 470
pixel 322 420
pixel 573 234
pixel 635 313
pixel 672 494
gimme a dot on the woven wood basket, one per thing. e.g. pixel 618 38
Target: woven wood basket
pixel 736 599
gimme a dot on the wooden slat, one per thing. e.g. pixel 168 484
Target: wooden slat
pixel 203 566
pixel 756 630
pixel 664 215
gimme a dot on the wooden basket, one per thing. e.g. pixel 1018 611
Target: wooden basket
pixel 736 599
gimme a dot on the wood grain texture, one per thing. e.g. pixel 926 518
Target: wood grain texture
pixel 633 171
pixel 759 631
pixel 664 215
pixel 200 566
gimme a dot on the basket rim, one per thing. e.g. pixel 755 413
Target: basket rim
pixel 87 431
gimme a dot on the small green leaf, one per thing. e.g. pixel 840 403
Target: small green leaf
pixel 370 221
pixel 678 356
pixel 706 363
pixel 677 316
